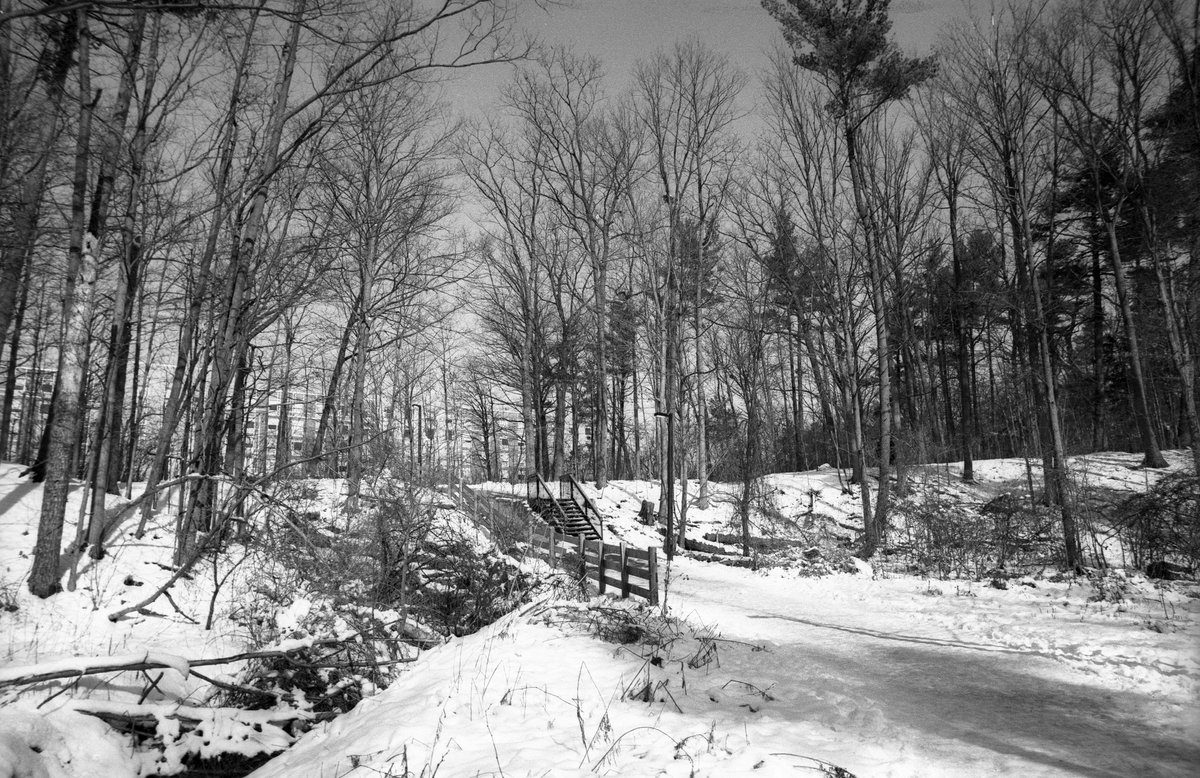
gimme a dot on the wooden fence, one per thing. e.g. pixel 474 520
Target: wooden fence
pixel 629 571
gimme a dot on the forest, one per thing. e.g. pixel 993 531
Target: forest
pixel 249 242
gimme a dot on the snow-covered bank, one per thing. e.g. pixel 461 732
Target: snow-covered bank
pixel 877 676
pixel 879 673
pixel 72 631
pixel 794 506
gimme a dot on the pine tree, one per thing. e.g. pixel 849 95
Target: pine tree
pixel 846 44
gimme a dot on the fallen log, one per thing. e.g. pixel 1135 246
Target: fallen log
pixel 148 660
pixel 207 732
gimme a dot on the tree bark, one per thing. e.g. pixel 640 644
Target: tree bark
pixel 1151 453
pixel 10 378
pixel 875 528
pixel 187 337
pixel 962 342
pixel 362 337
pixel 78 299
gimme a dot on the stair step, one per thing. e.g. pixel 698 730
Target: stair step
pixel 565 516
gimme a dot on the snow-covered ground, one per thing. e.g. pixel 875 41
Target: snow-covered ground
pixel 71 627
pixel 877 676
pixel 754 673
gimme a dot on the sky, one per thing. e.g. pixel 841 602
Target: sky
pixel 620 32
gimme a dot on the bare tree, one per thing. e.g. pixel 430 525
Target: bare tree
pixel 993 85
pixel 1101 64
pixel 383 184
pixel 687 102
pixel 846 44
pixel 946 138
pixel 587 155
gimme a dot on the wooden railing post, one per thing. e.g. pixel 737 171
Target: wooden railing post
pixel 600 568
pixel 652 565
pixel 624 573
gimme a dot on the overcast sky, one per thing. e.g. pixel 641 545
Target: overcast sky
pixel 620 32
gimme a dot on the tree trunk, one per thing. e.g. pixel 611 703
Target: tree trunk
pixel 191 321
pixel 1151 454
pixel 600 443
pixel 18 248
pixel 315 467
pixel 875 528
pixel 700 403
pixel 1056 472
pixel 560 426
pixel 10 378
pixel 283 429
pixel 106 436
pixel 78 299
pixel 30 404
pixel 230 340
pixel 1099 394
pixel 1180 356
pixel 354 457
pixel 528 431
pixel 962 343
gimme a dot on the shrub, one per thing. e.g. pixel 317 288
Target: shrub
pixel 945 537
pixel 1022 533
pixel 463 588
pixel 1163 525
pixel 326 679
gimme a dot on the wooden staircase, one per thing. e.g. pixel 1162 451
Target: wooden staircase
pixel 566 509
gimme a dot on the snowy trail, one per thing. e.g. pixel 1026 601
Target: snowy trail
pixel 888 676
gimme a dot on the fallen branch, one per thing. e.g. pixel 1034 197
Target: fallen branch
pixel 179 573
pixel 193 714
pixel 149 660
pixel 226 730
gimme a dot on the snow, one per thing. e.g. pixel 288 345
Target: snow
pixel 755 673
pixel 883 675
pixel 61 744
pixel 1033 680
pixel 71 632
pixel 72 629
pixel 875 676
pixel 80 665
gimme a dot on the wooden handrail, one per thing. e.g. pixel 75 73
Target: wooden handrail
pixel 607 566
pixel 590 514
pixel 542 488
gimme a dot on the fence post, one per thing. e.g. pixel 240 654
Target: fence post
pixel 624 573
pixel 652 563
pixel 600 548
pixel 550 546
pixel 583 566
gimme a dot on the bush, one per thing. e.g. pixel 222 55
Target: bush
pixel 1022 534
pixel 462 589
pixel 326 679
pixel 825 556
pixel 398 573
pixel 945 537
pixel 1162 526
